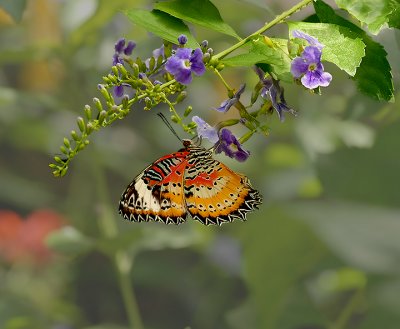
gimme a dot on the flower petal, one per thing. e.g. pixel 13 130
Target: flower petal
pixel 204 130
pixel 196 60
pixel 298 67
pixel 311 40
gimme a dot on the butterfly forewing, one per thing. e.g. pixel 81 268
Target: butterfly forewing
pixel 157 192
pixel 189 180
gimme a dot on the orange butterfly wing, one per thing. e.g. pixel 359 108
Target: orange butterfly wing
pixel 157 192
pixel 215 194
pixel 189 180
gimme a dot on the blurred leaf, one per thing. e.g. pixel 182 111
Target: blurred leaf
pixel 161 24
pixel 157 237
pixel 199 12
pixel 364 175
pixel 345 52
pixel 362 235
pixel 373 77
pixel 268 51
pixel 14 7
pixel 22 192
pixel 126 239
pixel 106 326
pixel 69 241
pixel 278 252
pixel 373 13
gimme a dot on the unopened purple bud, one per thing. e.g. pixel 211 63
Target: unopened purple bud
pixel 204 44
pixel 182 39
pixel 119 46
pixel 142 75
pixel 157 82
pixel 129 48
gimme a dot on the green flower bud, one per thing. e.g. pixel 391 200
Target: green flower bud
pixel 122 70
pixel 135 69
pixel 63 149
pixel 102 117
pixel 74 135
pixel 81 124
pixel 152 63
pixel 67 143
pixel 187 111
pixel 88 112
pixel 182 95
pixel 114 70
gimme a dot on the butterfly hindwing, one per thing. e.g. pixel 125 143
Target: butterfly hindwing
pixel 215 194
pixel 157 193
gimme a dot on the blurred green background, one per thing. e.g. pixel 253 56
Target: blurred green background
pixel 322 252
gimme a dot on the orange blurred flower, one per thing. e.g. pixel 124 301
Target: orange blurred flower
pixel 23 240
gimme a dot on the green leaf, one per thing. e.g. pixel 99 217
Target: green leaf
pixel 340 49
pixel 394 16
pixel 373 77
pixel 373 13
pixel 14 7
pixel 199 12
pixel 364 236
pixel 268 51
pixel 161 24
pixel 70 241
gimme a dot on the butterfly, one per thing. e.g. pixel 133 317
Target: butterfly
pixel 189 181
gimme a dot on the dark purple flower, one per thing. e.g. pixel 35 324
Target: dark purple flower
pixel 229 144
pixel 121 49
pixel 272 90
pixel 308 65
pixel 228 103
pixel 182 39
pixel 129 48
pixel 184 62
pixel 119 90
pixel 119 45
pixel 204 130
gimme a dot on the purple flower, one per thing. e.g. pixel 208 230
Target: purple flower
pixel 118 58
pixel 228 103
pixel 204 130
pixel 230 146
pixel 182 39
pixel 308 65
pixel 121 49
pixel 272 90
pixel 184 62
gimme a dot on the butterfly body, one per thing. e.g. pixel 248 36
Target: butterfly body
pixel 188 181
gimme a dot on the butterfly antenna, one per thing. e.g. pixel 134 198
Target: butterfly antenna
pixel 168 124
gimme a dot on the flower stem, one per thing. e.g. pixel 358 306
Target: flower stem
pixel 348 310
pixel 276 20
pixel 122 260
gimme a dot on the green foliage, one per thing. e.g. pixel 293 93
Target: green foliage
pixel 199 12
pixel 161 24
pixel 272 51
pixel 374 77
pixel 373 13
pixel 345 52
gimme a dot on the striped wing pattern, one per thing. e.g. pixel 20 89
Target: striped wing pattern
pixel 189 181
